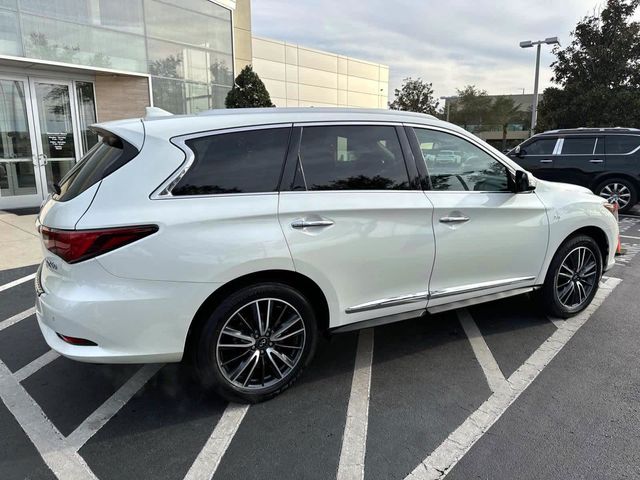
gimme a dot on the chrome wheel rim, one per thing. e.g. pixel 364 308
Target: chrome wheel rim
pixel 260 344
pixel 616 193
pixel 576 277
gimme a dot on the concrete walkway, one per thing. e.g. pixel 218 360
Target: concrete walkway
pixel 19 241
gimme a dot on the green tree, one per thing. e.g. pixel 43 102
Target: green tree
pixel 597 74
pixel 504 111
pixel 471 108
pixel 248 91
pixel 415 95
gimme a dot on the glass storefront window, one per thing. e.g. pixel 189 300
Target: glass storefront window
pixel 9 38
pixel 8 4
pixel 87 114
pixel 71 43
pixel 169 95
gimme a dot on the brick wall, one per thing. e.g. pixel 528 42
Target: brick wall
pixel 121 96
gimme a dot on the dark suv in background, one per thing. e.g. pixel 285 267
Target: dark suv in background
pixel 605 160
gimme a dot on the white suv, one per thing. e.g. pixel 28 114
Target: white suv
pixel 234 238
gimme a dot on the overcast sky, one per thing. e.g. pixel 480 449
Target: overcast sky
pixel 451 43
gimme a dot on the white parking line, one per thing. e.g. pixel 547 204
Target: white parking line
pixel 207 461
pixel 630 236
pixel 354 439
pixel 495 377
pixel 63 460
pixel 9 285
pixel 36 365
pixel 111 406
pixel 16 318
pixel 437 464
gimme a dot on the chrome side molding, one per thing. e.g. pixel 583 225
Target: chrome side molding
pixel 474 287
pixel 389 302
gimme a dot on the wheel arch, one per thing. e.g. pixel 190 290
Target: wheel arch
pixel 296 280
pixel 609 175
pixel 598 235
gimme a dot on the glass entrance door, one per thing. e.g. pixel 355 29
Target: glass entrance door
pixel 20 179
pixel 57 145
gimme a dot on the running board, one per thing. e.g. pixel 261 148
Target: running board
pixel 376 322
pixel 481 299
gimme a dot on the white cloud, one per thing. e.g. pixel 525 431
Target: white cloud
pixel 449 43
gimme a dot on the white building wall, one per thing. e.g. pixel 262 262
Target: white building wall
pixel 297 76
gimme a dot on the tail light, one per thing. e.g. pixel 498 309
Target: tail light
pixel 74 246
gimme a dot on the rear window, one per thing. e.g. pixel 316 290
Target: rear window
pixel 617 144
pixel 579 146
pixel 238 162
pixel 104 158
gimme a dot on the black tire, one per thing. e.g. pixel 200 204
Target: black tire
pixel 555 288
pixel 215 365
pixel 607 190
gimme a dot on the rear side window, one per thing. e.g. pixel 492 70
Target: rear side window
pixel 349 157
pixel 541 146
pixel 104 158
pixel 579 146
pixel 238 162
pixel 617 144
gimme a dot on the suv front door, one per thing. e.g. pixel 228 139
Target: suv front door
pixel 536 156
pixel 356 222
pixel 488 239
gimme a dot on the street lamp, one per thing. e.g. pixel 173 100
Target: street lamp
pixel 529 44
pixel 448 103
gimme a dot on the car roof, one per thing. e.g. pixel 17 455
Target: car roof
pixel 591 131
pixel 167 125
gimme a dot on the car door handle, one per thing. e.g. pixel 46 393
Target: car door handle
pixel 546 160
pixel 454 219
pixel 311 223
pixel 596 161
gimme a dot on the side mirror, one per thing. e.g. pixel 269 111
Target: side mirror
pixel 522 183
pixel 519 152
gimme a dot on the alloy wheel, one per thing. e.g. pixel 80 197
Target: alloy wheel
pixel 576 277
pixel 616 193
pixel 260 344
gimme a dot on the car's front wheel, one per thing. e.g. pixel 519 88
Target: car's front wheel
pixel 573 277
pixel 618 191
pixel 256 342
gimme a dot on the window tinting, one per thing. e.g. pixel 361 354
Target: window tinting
pixel 353 158
pixel 578 146
pixel 239 162
pixel 542 146
pixel 102 160
pixel 455 164
pixel 617 144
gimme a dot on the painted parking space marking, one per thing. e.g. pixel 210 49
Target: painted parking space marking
pixel 439 462
pixel 19 281
pixel 36 365
pixel 483 354
pixel 16 318
pixel 63 460
pixel 110 407
pixel 207 462
pixel 629 236
pixel 354 438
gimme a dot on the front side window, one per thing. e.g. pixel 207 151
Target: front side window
pixel 620 144
pixel 350 157
pixel 579 146
pixel 238 162
pixel 541 146
pixel 454 164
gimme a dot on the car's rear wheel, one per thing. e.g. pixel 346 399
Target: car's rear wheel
pixel 618 191
pixel 573 277
pixel 255 344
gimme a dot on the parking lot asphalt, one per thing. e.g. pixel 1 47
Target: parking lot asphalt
pixel 494 391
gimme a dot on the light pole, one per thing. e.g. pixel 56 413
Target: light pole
pixel 447 101
pixel 529 44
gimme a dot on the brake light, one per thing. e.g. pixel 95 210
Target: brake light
pixel 74 246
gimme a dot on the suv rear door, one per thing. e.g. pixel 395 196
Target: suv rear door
pixel 579 159
pixel 356 219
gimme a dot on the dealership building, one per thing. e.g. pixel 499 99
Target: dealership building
pixel 66 64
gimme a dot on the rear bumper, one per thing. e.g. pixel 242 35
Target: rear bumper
pixel 131 321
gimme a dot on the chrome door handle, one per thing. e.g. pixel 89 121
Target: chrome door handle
pixel 546 161
pixel 311 223
pixel 596 161
pixel 454 219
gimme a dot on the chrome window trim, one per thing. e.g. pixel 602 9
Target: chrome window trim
pixel 635 150
pixel 557 149
pixel 163 192
pixel 337 123
pixel 389 302
pixel 474 287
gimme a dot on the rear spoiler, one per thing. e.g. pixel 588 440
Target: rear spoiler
pixel 131 130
